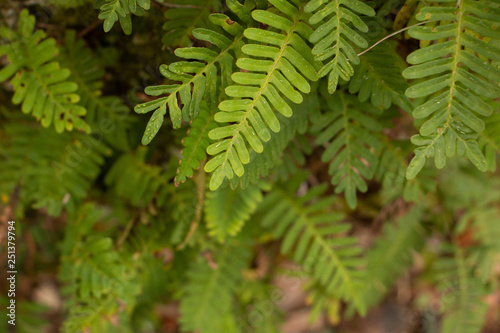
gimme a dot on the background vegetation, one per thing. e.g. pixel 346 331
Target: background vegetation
pixel 296 171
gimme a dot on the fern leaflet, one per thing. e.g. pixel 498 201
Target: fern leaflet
pixel 120 10
pixel 459 77
pixel 287 66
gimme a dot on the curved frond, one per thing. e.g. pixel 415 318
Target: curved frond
pixel 227 210
pixel 337 35
pixel 344 129
pixel 120 10
pixel 198 77
pixel 40 84
pixel 279 65
pixel 316 238
pixel 455 75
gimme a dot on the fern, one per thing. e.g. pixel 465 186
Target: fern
pixel 465 312
pixel 39 82
pixel 458 77
pixel 257 93
pixel 489 140
pixel 106 115
pixel 120 10
pixel 226 210
pixel 339 30
pixel 350 149
pixel 207 302
pixel 195 144
pixel 311 235
pixel 183 19
pixel 198 78
pixel 378 78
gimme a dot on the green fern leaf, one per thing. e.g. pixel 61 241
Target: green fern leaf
pixel 39 82
pixel 489 140
pixel 261 87
pixel 227 210
pixel 120 10
pixel 206 305
pixel 108 116
pixel 457 77
pixel 378 78
pixel 195 144
pixel 311 235
pixel 198 78
pixel 351 146
pixel 182 20
pixel 339 29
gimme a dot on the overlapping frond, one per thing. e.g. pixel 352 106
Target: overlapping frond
pixel 199 77
pixel 207 302
pixel 120 10
pixel 338 33
pixel 54 170
pixel 455 75
pixel 195 144
pixel 40 84
pixel 106 115
pixel 186 16
pixel 378 78
pixel 344 129
pixel 279 65
pixel 489 140
pixel 314 236
pixel 226 210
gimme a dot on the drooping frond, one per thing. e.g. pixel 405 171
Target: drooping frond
pixel 314 236
pixel 120 10
pixel 344 129
pixel 464 309
pixel 198 78
pixel 100 282
pixel 53 170
pixel 207 302
pixel 227 210
pixel 40 84
pixel 195 144
pixel 391 173
pixel 106 115
pixel 186 16
pixel 456 76
pixel 279 65
pixel 337 35
pixel 378 78
pixel 392 251
pixel 284 152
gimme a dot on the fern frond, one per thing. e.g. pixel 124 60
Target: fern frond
pixel 182 20
pixel 198 78
pixel 227 210
pixel 378 78
pixel 195 144
pixel 339 30
pixel 392 251
pixel 120 10
pixel 286 149
pixel 54 170
pixel 463 308
pixel 311 236
pixel 391 173
pixel 107 115
pixel 207 301
pixel 351 148
pixel 457 78
pixel 39 82
pixel 261 87
pixel 489 140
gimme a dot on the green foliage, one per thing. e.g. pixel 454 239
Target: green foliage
pixel 39 82
pixel 290 155
pixel 460 77
pixel 120 10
